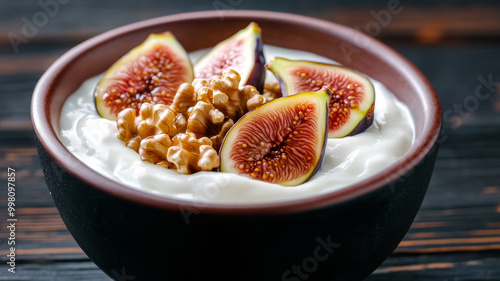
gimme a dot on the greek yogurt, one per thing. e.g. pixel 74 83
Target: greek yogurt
pixel 349 160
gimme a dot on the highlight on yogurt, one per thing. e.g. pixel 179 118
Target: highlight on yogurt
pixel 223 117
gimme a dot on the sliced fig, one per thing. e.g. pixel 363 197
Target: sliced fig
pixel 280 142
pixel 242 52
pixel 151 72
pixel 352 95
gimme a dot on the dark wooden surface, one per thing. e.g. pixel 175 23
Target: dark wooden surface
pixel 456 235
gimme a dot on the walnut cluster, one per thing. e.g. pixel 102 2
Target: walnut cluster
pixel 272 91
pixel 186 135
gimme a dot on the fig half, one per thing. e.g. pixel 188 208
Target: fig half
pixel 151 72
pixel 280 142
pixel 242 53
pixel 352 95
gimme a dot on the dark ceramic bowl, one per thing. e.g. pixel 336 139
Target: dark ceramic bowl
pixel 133 235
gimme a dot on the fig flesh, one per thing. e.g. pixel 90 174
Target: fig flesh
pixel 151 72
pixel 281 142
pixel 243 52
pixel 352 95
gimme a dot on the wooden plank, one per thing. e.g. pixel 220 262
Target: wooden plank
pixel 56 271
pixel 467 266
pixel 27 63
pixel 434 231
pixel 463 198
pixel 16 92
pixel 31 188
pixel 456 234
pixel 481 124
pixel 416 21
pixel 41 234
pixel 423 24
pixel 470 266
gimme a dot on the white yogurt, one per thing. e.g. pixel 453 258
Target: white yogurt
pixel 94 141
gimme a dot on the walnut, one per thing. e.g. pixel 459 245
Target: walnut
pixel 189 94
pixel 252 97
pixel 154 149
pixel 190 154
pixel 127 129
pixel 184 152
pixel 187 134
pixel 184 98
pixel 158 119
pixel 230 99
pixel 180 123
pixel 207 121
pixel 202 117
pixel 221 133
pixel 203 90
pixel 272 91
pixel 212 106
pixel 152 120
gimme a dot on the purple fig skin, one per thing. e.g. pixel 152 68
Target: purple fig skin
pixel 258 74
pixel 141 59
pixel 283 86
pixel 363 116
pixel 322 140
pixel 325 141
pixel 363 124
pixel 255 73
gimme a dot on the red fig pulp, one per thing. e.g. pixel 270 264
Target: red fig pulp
pixel 280 142
pixel 352 95
pixel 151 72
pixel 242 52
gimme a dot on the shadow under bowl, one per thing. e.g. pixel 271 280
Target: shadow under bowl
pixel 343 235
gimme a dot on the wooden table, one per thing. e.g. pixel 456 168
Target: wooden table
pixel 456 235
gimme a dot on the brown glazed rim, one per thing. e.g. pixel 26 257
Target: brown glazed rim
pixel 49 139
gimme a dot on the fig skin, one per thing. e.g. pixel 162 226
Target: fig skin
pixel 151 72
pixel 274 143
pixel 251 54
pixel 258 75
pixel 352 105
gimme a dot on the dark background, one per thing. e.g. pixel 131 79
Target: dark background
pixel 456 44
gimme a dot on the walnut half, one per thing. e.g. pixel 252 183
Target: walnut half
pixel 154 149
pixel 190 154
pixel 207 121
pixel 232 100
pixel 186 135
pixel 272 91
pixel 184 152
pixel 152 120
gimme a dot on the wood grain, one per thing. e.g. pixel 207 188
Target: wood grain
pixel 451 267
pixel 470 266
pixel 416 22
pixel 456 235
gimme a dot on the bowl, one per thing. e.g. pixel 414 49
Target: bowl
pixel 342 235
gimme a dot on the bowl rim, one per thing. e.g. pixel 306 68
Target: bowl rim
pixel 52 144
